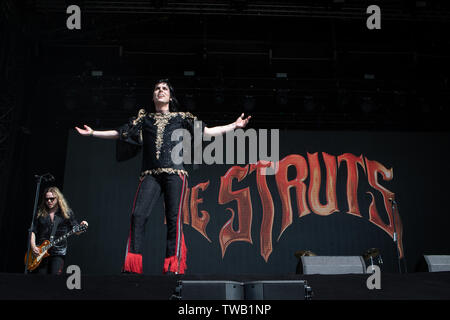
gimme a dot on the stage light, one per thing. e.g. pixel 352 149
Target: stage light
pixel 96 73
pixel 281 75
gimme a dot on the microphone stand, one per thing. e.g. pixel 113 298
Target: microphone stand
pixel 395 235
pixel 36 199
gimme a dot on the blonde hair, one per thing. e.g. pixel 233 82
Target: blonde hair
pixel 62 203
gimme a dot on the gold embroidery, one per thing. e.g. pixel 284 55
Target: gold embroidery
pixel 161 120
pixel 141 114
pixel 184 115
pixel 163 170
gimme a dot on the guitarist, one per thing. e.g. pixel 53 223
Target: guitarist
pixel 54 219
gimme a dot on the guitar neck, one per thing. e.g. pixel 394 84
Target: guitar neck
pixel 68 234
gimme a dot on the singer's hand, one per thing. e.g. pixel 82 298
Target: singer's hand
pixel 87 131
pixel 241 122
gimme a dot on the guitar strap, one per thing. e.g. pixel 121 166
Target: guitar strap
pixel 56 221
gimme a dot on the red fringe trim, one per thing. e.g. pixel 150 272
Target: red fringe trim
pixel 133 263
pixel 173 265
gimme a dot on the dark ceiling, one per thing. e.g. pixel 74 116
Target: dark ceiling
pixel 292 63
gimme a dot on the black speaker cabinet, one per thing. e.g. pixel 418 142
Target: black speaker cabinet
pixel 208 290
pixel 277 290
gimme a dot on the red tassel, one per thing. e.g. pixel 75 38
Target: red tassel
pixel 170 264
pixel 133 263
pixel 173 265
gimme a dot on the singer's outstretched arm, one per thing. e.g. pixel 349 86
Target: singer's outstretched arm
pixel 219 130
pixel 106 134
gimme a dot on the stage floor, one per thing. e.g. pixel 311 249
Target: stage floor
pixel 411 286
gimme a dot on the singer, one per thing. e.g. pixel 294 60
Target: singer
pixel 153 131
pixel 54 219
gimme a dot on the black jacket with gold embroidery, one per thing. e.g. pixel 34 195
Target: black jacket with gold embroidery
pixel 153 133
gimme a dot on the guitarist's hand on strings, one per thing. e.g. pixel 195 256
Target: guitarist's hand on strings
pixel 36 250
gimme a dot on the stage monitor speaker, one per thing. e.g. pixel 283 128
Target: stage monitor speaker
pixel 208 290
pixel 331 265
pixel 437 263
pixel 277 290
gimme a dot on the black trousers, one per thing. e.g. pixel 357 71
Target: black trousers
pixel 51 265
pixel 173 187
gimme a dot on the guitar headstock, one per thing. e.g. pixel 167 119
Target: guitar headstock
pixel 80 228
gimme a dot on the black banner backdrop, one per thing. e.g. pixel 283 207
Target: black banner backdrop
pixel 261 232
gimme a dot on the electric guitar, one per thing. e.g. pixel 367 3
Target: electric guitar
pixel 32 261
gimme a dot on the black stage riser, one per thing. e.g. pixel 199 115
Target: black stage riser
pixel 423 286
